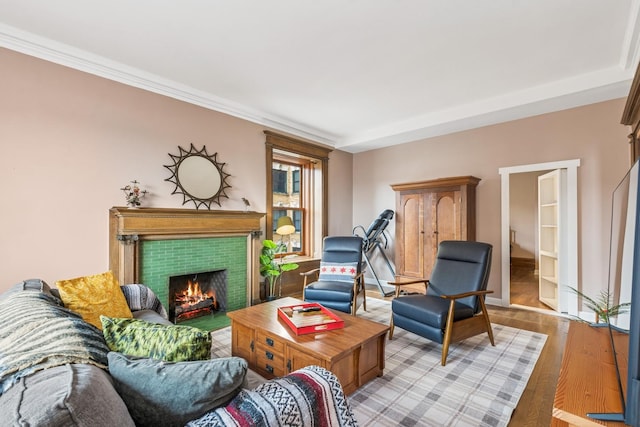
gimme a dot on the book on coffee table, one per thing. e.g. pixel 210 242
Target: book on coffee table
pixel 309 317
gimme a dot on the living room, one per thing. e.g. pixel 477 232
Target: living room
pixel 71 139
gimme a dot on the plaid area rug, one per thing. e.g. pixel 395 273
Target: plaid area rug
pixel 480 386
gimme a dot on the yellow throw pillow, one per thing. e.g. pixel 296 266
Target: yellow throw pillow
pixel 93 296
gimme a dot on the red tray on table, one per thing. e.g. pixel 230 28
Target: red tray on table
pixel 308 318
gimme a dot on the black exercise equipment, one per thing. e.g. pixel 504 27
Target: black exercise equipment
pixel 375 237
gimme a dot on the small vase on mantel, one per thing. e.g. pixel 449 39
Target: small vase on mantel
pixel 133 194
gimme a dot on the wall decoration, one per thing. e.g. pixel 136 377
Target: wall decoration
pixel 198 176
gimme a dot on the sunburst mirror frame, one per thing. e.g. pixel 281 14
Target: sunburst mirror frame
pixel 191 194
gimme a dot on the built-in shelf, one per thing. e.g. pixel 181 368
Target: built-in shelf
pixel 549 229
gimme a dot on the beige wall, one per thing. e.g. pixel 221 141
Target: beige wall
pixel 592 134
pixel 69 141
pixel 523 200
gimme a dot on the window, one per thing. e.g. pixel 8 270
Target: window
pixel 295 176
pixel 288 202
pixel 297 188
pixel 279 181
pixel 296 246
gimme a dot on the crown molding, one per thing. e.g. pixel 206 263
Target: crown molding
pixel 62 54
pixel 630 52
pixel 555 96
pixel 590 88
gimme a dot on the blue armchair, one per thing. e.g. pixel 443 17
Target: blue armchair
pixel 339 282
pixel 453 307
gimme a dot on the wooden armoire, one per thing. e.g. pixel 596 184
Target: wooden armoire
pixel 427 213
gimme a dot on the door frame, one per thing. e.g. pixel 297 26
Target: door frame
pixel 571 166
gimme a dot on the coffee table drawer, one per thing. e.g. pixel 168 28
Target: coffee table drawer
pixel 270 361
pixel 268 341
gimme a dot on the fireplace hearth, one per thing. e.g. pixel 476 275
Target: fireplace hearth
pixel 197 294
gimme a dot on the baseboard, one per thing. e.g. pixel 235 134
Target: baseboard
pixel 493 301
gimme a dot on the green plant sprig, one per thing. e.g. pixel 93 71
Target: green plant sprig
pixel 603 306
pixel 270 268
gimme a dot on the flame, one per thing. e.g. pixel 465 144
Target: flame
pixel 193 294
pixel 193 289
pixel 190 299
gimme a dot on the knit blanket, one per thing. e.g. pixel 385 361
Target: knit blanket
pixel 37 332
pixel 140 297
pixel 310 396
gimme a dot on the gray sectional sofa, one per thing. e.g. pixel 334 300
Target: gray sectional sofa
pixel 57 370
pixel 44 378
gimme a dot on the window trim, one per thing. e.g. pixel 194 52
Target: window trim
pixel 275 141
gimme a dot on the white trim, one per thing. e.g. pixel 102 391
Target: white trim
pixel 597 86
pixel 493 301
pixel 62 54
pixel 631 44
pixel 572 213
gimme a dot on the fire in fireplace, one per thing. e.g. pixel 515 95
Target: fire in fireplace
pixel 197 294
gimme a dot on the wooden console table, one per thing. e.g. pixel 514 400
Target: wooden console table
pixel 588 381
pixel 355 353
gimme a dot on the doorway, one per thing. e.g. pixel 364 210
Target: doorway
pixel 524 246
pixel 570 260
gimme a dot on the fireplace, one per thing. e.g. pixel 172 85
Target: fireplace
pixel 197 294
pixel 150 245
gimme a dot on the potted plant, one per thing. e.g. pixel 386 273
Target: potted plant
pixel 271 268
pixel 603 307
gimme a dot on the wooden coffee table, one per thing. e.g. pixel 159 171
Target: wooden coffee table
pixel 355 353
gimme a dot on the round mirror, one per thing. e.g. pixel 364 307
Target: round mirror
pixel 198 176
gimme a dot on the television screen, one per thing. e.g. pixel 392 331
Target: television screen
pixel 624 286
pixel 622 245
pixel 630 282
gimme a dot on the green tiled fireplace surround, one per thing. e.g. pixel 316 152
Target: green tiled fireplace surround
pixel 161 259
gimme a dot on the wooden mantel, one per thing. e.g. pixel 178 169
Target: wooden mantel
pixel 128 226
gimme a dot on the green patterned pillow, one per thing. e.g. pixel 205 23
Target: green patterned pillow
pixel 171 343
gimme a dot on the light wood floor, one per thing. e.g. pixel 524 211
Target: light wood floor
pixel 536 403
pixel 524 288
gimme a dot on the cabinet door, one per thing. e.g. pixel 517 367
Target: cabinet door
pixel 410 235
pixel 297 359
pixel 442 223
pixel 446 217
pixel 242 341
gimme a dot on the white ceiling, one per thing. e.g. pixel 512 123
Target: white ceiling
pixel 353 74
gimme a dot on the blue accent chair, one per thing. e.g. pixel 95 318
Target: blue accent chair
pixel 339 282
pixel 453 308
